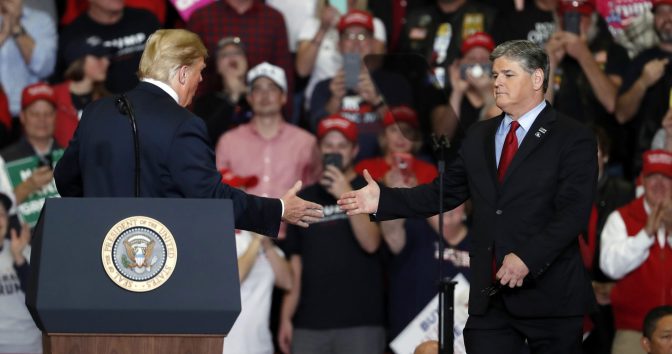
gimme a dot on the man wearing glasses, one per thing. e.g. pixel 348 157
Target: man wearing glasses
pixel 354 90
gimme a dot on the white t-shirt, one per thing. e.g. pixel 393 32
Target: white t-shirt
pixel 18 333
pixel 250 333
pixel 295 13
pixel 329 59
pixel 6 187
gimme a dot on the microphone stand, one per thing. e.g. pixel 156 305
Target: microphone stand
pixel 446 309
pixel 124 106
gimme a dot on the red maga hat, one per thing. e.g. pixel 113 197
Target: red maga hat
pixel 657 161
pixel 478 39
pixel 340 124
pixel 35 92
pixel 356 18
pixel 584 7
pixel 403 114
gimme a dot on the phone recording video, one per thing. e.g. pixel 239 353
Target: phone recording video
pixel 334 160
pixel 352 67
pixel 571 22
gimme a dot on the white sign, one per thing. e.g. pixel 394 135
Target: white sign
pixel 425 326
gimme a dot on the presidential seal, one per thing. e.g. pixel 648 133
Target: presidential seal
pixel 139 254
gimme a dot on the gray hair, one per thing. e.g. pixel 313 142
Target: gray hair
pixel 529 55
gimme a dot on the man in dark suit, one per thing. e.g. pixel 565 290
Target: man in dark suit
pixel 176 160
pixel 531 176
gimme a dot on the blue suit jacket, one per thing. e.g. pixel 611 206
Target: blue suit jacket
pixel 176 158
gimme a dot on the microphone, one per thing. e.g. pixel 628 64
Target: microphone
pixel 121 105
pixel 125 108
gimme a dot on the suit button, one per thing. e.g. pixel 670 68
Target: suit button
pixel 499 212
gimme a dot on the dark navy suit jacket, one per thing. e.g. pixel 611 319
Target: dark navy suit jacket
pixel 176 158
pixel 537 212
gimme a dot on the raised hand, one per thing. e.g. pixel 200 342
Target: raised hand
pixel 298 211
pixel 361 201
pixel 19 243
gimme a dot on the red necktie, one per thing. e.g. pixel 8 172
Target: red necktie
pixel 508 151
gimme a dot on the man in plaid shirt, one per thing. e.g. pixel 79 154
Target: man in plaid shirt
pixel 259 26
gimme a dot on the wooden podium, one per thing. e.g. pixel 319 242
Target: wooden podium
pixel 92 289
pixel 131 344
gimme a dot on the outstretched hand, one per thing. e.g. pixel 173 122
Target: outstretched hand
pixel 298 211
pixel 361 201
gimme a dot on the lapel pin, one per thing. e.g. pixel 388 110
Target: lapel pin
pixel 541 130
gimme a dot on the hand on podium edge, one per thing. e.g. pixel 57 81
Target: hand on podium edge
pixel 362 201
pixel 298 211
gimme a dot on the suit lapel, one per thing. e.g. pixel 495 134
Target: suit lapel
pixel 490 151
pixel 537 133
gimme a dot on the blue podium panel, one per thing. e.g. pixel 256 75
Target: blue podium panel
pixel 70 290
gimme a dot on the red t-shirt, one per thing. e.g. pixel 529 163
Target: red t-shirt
pixel 5 116
pixel 424 172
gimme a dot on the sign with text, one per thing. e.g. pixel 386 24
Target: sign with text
pixel 425 326
pixel 20 170
pixel 186 7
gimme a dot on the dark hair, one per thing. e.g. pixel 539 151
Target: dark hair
pixel 651 319
pixel 529 55
pixel 75 72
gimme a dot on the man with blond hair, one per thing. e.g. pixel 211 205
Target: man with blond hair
pixel 175 160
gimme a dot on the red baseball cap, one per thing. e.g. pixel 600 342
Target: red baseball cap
pixel 356 18
pixel 478 39
pixel 340 124
pixel 657 161
pixel 35 92
pixel 237 181
pixel 584 7
pixel 401 114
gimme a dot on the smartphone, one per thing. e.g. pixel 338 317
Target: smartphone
pixel 351 66
pixel 340 5
pixel 44 160
pixel 333 159
pixel 571 22
pixel 404 162
pixel 464 68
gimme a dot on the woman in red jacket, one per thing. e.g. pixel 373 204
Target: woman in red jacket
pixel 85 82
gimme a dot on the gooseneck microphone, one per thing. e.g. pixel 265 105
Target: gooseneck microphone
pixel 124 106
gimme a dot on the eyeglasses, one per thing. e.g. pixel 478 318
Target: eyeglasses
pixel 360 37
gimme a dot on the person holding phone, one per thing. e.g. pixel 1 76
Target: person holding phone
pixel 336 302
pixel 470 84
pixel 586 67
pixel 355 91
pixel 317 56
pixel 38 118
pixel 644 98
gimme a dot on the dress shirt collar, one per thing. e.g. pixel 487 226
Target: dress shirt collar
pixel 165 87
pixel 253 129
pixel 525 120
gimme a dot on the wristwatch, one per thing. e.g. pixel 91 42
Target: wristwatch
pixel 18 31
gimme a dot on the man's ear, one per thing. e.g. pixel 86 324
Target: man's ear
pixel 646 344
pixel 538 79
pixel 182 74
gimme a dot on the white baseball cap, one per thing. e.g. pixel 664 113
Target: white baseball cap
pixel 275 73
